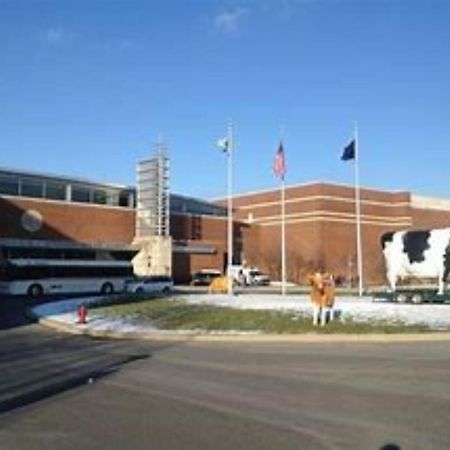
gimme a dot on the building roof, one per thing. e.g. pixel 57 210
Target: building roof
pixel 60 178
pixel 307 184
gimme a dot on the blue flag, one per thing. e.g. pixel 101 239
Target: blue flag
pixel 349 151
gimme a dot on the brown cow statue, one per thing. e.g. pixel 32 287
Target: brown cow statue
pixel 322 296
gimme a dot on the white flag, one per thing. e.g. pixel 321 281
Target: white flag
pixel 223 144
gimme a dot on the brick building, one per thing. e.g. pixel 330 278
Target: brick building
pixel 38 208
pixel 320 223
pixel 321 227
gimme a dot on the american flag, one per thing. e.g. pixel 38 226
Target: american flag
pixel 279 165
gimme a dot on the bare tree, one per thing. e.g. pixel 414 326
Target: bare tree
pixel 295 263
pixel 272 260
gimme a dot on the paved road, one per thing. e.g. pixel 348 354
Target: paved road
pixel 202 396
pixel 234 396
pixel 36 362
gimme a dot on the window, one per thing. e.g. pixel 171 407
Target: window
pixel 100 197
pixel 193 206
pixel 123 199
pixel 157 279
pixel 55 191
pixel 123 255
pixel 4 272
pixel 113 198
pixel 34 253
pixel 31 188
pixel 81 194
pixel 79 254
pixel 9 185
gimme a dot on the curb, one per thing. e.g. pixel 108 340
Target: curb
pixel 164 335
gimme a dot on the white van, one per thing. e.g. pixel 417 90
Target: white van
pixel 248 276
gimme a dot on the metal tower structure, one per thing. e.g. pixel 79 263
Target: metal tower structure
pixel 153 216
pixel 153 196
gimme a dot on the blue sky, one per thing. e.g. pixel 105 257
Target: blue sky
pixel 87 86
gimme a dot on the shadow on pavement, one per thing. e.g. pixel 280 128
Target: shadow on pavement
pixel 13 309
pixel 25 393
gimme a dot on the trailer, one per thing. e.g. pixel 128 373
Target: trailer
pixel 420 255
pixel 414 295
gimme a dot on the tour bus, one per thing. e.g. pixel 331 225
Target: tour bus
pixel 67 270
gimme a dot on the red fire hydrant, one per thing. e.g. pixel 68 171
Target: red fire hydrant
pixel 82 314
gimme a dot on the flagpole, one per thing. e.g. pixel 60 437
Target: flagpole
pixel 358 215
pixel 283 220
pixel 230 205
pixel 283 238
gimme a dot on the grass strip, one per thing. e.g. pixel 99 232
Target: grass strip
pixel 176 314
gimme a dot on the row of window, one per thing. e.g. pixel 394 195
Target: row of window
pixel 65 254
pixel 193 206
pixel 11 272
pixel 54 190
pixel 58 190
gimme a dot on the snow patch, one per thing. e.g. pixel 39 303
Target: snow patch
pixel 365 309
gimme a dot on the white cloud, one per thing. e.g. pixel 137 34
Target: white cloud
pixel 229 21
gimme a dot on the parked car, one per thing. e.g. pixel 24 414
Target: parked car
pixel 256 278
pixel 154 283
pixel 205 277
pixel 248 276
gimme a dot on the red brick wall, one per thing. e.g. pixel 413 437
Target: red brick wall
pixel 198 231
pixel 321 229
pixel 85 223
pixel 428 218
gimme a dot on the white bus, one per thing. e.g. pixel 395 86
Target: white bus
pixel 37 277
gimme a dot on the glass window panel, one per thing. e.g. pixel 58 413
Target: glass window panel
pixel 55 191
pixel 113 198
pixel 81 194
pixel 100 196
pixel 123 199
pixel 9 185
pixel 79 254
pixel 31 188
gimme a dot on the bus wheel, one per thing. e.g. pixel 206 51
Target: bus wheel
pixel 35 290
pixel 166 291
pixel 107 288
pixel 401 298
pixel 417 298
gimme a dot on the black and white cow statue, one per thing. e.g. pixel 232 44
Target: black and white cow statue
pixel 421 254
